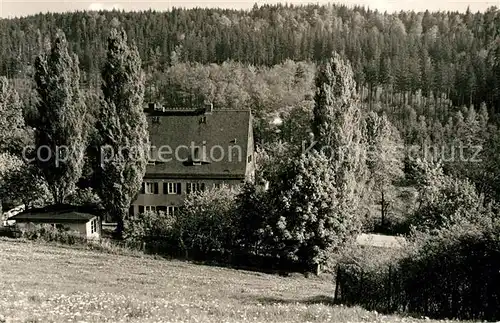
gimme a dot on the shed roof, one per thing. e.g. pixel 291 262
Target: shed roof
pixel 381 241
pixel 58 213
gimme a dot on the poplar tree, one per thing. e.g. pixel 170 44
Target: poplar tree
pixel 334 104
pixel 317 194
pixel 337 126
pixel 60 136
pixel 122 128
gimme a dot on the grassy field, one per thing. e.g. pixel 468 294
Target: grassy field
pixel 46 283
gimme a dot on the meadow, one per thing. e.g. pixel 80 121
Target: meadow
pixel 42 282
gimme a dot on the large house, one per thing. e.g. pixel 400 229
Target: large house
pixel 193 150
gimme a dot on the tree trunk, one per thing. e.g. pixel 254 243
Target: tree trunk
pixel 382 210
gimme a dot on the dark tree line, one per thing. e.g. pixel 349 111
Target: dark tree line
pixel 442 54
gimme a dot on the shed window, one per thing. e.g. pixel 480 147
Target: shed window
pixel 93 226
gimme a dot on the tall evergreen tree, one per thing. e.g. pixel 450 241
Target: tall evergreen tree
pixel 122 127
pixel 60 135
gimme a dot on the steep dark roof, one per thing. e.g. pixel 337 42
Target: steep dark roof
pixel 58 213
pixel 225 128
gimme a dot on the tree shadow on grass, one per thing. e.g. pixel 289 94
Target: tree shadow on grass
pixel 320 299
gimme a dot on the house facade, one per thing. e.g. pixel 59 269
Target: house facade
pixel 194 150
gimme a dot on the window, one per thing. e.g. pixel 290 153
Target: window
pixel 171 210
pixel 219 185
pixel 152 155
pixel 249 158
pixel 150 208
pixel 196 156
pixel 93 226
pixel 150 188
pixel 131 210
pixel 141 209
pixel 171 188
pixel 195 187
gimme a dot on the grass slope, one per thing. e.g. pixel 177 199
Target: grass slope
pixel 46 283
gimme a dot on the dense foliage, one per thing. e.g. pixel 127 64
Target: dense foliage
pixel 441 52
pixel 60 135
pixel 453 274
pixel 355 111
pixel 122 128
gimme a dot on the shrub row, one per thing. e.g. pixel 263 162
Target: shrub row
pixel 220 226
pixel 455 274
pixel 47 233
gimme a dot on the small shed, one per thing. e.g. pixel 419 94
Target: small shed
pixel 86 220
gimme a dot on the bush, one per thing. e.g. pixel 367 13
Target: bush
pixel 150 231
pixel 48 233
pixel 445 201
pixel 454 273
pixel 254 212
pixel 316 211
pixel 9 232
pixel 205 228
pixel 207 225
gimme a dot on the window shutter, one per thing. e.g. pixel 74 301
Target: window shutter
pixel 165 188
pixel 179 188
pixel 143 188
pixel 156 188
